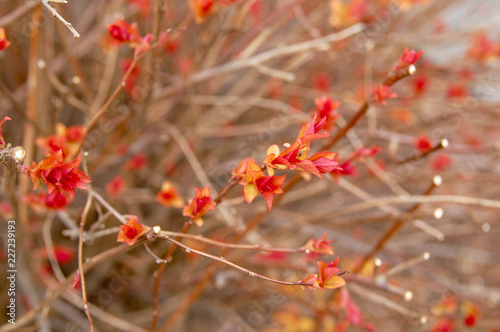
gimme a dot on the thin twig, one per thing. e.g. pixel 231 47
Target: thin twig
pixel 396 226
pixel 121 218
pixel 47 238
pixel 236 266
pixel 83 219
pixel 157 278
pixel 419 199
pixel 168 234
pixel 441 145
pixel 364 108
pixel 51 9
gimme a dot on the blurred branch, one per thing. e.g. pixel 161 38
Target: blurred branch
pixel 375 202
pixel 322 43
pixel 51 9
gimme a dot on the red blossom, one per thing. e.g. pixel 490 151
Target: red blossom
pixel 168 196
pixel 320 246
pixel 471 311
pixel 254 181
pixel 116 186
pixel 66 139
pixel 347 166
pixel 420 84
pixel 131 231
pixel 143 45
pixel 4 42
pixel 444 325
pixel 287 159
pixel 272 257
pixel 363 152
pixel 326 278
pixel 269 186
pixel 402 115
pixel 325 108
pixel 457 91
pixel 482 48
pixel 56 200
pixel 53 201
pixel 381 93
pixel 441 162
pixel 200 205
pixel 470 320
pixel 138 162
pixel 310 131
pixel 168 43
pixel 201 9
pixel 122 32
pixel 57 175
pixel 320 163
pixel 353 313
pixel 2 142
pixel 296 154
pixel 63 254
pixel 408 58
pixel 321 82
pixel 422 143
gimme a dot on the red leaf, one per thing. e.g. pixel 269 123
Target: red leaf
pixel 131 231
pixel 422 143
pixel 199 206
pixel 168 196
pixel 381 93
pixel 116 186
pixel 57 175
pixel 408 58
pixel 269 186
pixel 121 32
pixel 320 246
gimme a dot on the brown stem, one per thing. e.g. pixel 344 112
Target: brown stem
pixel 80 261
pixel 236 266
pixel 364 108
pixel 396 226
pixel 225 190
pixel 168 234
pixel 108 102
pixel 83 219
pixel 157 276
pixel 441 145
